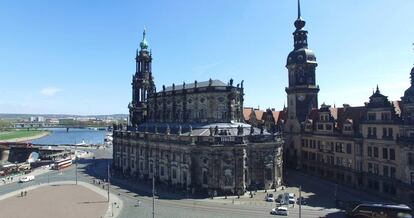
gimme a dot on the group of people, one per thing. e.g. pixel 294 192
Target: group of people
pixel 4 180
pixel 23 193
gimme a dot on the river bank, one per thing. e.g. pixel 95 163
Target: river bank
pixel 22 135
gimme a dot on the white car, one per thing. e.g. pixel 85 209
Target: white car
pixel 291 197
pixel 280 211
pixel 270 198
pixel 27 178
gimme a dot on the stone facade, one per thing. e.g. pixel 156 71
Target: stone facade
pixel 369 147
pixel 193 137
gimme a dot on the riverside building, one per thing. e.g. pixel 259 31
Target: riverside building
pixel 193 136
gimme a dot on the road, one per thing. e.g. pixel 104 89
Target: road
pixel 168 205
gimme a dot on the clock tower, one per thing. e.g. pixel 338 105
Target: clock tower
pixel 302 92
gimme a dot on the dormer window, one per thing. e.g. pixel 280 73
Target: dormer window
pixel 371 116
pixel 348 128
pixel 385 116
pixel 328 127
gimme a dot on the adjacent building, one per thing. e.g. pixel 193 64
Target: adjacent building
pixel 368 147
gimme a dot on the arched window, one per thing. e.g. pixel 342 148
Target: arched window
pixel 205 179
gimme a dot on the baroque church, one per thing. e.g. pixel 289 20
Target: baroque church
pixel 192 136
pixel 369 147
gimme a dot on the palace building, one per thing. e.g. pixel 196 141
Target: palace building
pixel 369 147
pixel 193 136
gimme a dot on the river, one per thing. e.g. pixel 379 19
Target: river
pixel 60 136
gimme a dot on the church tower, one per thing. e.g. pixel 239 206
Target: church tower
pixel 142 84
pixel 302 92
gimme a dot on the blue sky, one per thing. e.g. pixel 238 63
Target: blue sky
pixel 77 56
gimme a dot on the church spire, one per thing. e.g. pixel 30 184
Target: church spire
pixel 299 23
pixel 144 43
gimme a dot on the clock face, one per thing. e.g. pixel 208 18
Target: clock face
pixel 301 97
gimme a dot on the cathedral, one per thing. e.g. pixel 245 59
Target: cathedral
pixel 192 136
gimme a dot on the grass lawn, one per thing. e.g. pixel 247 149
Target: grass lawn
pixel 15 134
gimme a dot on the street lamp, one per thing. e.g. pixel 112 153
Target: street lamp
pixel 109 182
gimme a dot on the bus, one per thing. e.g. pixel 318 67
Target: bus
pixel 62 163
pixel 380 211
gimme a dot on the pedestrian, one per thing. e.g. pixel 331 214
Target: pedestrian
pixel 21 194
pixel 25 193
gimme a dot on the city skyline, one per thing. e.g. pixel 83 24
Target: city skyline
pixel 67 61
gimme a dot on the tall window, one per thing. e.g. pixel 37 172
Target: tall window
pixel 392 172
pixel 385 116
pixel 385 171
pixel 376 169
pixel 385 153
pixel 375 152
pixel 410 159
pixel 392 154
pixel 369 151
pixel 349 148
pixel 205 179
pixel 162 171
pixel 174 174
pixel 370 167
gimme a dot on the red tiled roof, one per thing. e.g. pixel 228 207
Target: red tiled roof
pixel 259 114
pixel 246 113
pixel 352 113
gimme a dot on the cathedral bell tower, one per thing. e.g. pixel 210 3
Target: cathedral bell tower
pixel 142 84
pixel 302 92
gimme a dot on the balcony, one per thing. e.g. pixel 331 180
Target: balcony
pixel 390 138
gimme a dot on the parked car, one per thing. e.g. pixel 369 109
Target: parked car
pixel 291 197
pixel 269 198
pixel 302 201
pixel 279 198
pixel 27 178
pixel 280 211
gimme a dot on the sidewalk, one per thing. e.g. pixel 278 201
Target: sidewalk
pixel 16 177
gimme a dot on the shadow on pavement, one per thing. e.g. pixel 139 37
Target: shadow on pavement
pixel 98 168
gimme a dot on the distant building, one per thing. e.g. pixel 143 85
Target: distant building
pixel 270 119
pixel 193 136
pixel 369 147
pixel 40 119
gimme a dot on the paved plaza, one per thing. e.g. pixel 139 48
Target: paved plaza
pixel 63 201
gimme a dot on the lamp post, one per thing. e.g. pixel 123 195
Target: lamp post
pixel 109 181
pixel 300 201
pixel 153 196
pixel 76 164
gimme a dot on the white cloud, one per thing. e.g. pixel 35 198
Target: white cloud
pixel 50 91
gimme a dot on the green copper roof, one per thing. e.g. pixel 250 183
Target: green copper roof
pixel 144 43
